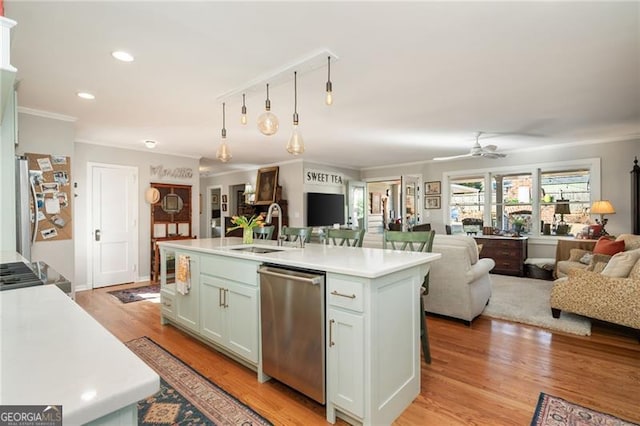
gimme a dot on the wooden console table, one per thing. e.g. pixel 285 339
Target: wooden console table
pixel 509 253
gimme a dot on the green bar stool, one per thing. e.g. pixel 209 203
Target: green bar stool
pixel 421 241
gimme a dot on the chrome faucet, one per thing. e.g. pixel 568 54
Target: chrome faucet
pixel 273 206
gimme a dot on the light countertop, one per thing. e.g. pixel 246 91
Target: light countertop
pixel 53 352
pixel 362 262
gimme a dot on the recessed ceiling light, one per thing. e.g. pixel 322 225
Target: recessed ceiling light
pixel 122 56
pixel 150 144
pixel 86 95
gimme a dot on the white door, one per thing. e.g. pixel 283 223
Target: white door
pixel 411 199
pixel 357 204
pixel 114 210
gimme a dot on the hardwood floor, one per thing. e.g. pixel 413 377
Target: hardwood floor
pixel 490 373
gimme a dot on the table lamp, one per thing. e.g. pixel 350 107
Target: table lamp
pixel 602 207
pixel 562 208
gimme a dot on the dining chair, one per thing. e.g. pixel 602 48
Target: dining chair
pixel 263 232
pixel 293 234
pixel 421 241
pixel 344 237
pixel 422 227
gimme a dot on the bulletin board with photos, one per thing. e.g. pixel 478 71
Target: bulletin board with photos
pixel 51 178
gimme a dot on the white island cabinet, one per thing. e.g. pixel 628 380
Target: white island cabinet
pixel 372 328
pixel 53 352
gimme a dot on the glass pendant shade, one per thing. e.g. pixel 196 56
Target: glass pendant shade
pixel 268 123
pixel 224 153
pixel 329 98
pixel 243 117
pixel 296 143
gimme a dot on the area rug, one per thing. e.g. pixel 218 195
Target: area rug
pixel 186 397
pixel 148 292
pixel 554 411
pixel 526 300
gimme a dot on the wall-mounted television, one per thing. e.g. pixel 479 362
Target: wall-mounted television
pixel 325 209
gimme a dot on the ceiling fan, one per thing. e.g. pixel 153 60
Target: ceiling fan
pixel 487 151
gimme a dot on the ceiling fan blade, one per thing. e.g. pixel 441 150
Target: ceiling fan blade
pixel 490 148
pixel 493 155
pixel 452 157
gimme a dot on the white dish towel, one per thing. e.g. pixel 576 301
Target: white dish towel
pixel 183 275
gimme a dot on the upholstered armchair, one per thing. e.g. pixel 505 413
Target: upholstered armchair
pixel 459 283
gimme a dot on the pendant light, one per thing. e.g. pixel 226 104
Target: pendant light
pixel 243 117
pixel 268 122
pixel 296 144
pixel 223 154
pixel 329 99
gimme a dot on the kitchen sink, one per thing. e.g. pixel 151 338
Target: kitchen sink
pixel 255 249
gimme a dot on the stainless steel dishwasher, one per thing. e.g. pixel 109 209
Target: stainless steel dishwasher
pixel 292 316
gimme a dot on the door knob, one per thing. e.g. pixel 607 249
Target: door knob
pixel 97 235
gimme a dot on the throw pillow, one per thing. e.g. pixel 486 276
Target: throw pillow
pixel 620 264
pixel 607 246
pixel 575 254
pixel 586 259
pixel 631 241
pixel 598 262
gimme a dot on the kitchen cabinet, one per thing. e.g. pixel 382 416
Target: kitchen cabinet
pixel 230 315
pixel 188 305
pixel 509 253
pixel 345 350
pixel 221 307
pixel 373 351
pixel 371 326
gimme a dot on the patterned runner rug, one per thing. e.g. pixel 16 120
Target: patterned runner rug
pixel 148 292
pixel 554 411
pixel 186 397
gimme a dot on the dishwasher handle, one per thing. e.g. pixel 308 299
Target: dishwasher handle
pixel 286 274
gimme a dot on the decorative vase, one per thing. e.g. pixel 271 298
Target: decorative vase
pixel 247 236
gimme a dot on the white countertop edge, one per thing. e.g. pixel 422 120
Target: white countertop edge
pixel 320 257
pixel 53 352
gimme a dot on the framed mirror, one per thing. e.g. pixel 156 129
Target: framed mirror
pixel 172 203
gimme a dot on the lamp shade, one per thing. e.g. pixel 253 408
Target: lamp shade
pixel 562 207
pixel 602 207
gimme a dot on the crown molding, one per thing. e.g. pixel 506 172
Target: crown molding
pixel 47 114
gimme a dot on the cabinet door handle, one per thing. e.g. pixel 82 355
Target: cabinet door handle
pixel 331 342
pixel 226 293
pixel 350 296
pixel 220 302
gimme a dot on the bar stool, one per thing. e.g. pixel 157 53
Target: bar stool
pixel 421 241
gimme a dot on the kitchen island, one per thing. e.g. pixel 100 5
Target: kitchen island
pixel 53 353
pixel 372 328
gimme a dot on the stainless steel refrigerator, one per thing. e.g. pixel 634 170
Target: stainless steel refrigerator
pixel 26 222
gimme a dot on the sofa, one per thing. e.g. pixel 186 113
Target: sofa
pixel 607 289
pixel 582 259
pixel 459 282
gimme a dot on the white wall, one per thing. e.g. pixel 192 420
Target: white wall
pixel 7 178
pixel 290 177
pixel 43 135
pixel 616 163
pixel 143 160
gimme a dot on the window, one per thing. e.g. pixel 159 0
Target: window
pixel 543 199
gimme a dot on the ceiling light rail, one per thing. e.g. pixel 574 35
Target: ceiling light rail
pixel 311 62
